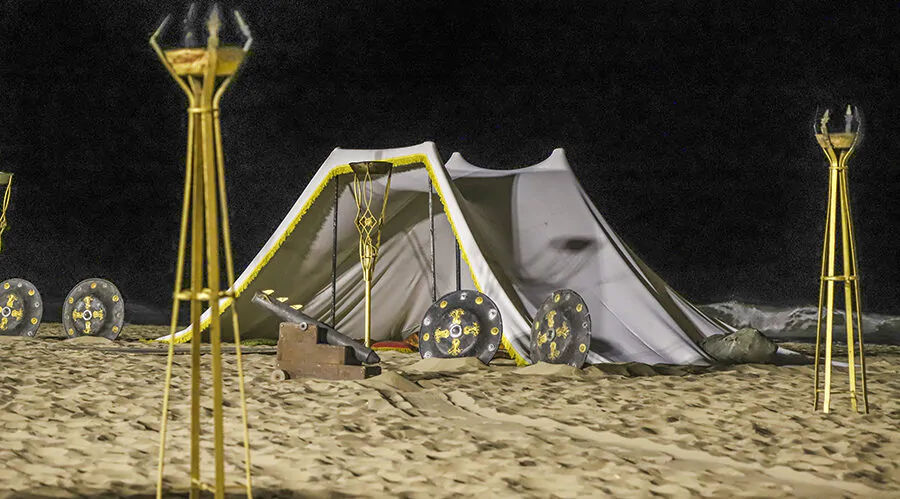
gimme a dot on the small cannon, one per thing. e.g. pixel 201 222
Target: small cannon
pixel 331 336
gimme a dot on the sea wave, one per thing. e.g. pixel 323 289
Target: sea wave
pixel 799 323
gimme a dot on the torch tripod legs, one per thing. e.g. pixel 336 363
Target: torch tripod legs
pixel 204 172
pixel 839 206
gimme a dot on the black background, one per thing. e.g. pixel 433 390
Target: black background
pixel 688 123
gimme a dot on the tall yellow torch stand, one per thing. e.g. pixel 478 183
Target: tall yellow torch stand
pixel 204 74
pixel 839 147
pixel 368 225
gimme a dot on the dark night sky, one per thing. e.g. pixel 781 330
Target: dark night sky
pixel 690 127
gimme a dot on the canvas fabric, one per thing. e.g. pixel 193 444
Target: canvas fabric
pixel 522 234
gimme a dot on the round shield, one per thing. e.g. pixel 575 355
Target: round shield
pixel 94 307
pixel 21 308
pixel 561 333
pixel 463 323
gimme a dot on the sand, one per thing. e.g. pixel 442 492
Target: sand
pixel 547 369
pixel 436 365
pixel 81 418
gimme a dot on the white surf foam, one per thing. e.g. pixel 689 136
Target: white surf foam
pixel 800 322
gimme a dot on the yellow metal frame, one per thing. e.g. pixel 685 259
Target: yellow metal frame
pixel 838 148
pixel 369 225
pixel 204 184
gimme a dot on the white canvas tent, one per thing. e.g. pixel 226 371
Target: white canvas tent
pixel 522 233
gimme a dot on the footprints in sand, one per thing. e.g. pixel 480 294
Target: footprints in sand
pixel 617 430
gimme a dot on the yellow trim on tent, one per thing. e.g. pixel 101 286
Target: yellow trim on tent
pixel 340 170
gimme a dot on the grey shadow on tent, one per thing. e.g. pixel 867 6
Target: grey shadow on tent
pixel 582 248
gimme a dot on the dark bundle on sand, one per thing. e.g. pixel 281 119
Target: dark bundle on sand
pixel 745 346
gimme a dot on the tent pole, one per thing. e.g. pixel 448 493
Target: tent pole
pixel 334 238
pixel 431 221
pixel 458 273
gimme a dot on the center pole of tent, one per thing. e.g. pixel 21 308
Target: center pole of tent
pixel 838 148
pixel 458 267
pixel 431 238
pixel 369 224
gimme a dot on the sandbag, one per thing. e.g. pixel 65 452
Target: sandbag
pixel 745 346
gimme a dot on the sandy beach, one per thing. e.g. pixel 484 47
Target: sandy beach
pixel 80 418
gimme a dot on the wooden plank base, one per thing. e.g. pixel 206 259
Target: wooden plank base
pixel 303 353
pixel 333 372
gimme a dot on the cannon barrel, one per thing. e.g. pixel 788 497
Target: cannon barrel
pixel 332 336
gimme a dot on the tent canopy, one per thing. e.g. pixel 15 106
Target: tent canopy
pixel 522 234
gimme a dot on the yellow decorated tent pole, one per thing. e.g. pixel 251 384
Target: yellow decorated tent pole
pixel 369 221
pixel 203 73
pixel 838 148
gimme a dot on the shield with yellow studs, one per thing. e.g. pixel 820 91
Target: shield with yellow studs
pixel 561 332
pixel 21 308
pixel 94 307
pixel 463 323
